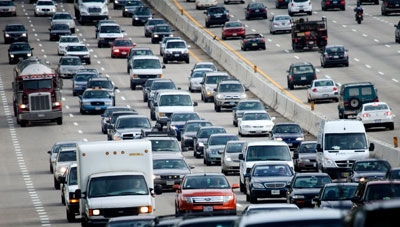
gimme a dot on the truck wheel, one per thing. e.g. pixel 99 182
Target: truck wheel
pixel 152 116
pixel 84 222
pixel 391 126
pixel 62 199
pixel 253 199
pixel 242 187
pixel 70 216
pixel 187 61
pixel 59 121
pixel 217 108
pixel 23 123
pixel 133 86
pixel 72 30
pixel 165 61
pixel 56 184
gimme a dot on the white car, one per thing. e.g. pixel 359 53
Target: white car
pixel 65 157
pixel 66 41
pixel 70 184
pixel 80 50
pixel 204 64
pixel 255 123
pixel 280 23
pixel 202 4
pixel 64 18
pixel 176 50
pixel 45 8
pixel 107 33
pixel 164 41
pixel 195 79
pixel 322 89
pixel 376 114
pixel 299 6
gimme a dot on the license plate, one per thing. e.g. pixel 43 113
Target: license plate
pixel 232 103
pixel 378 121
pixel 234 34
pixel 257 10
pixel 325 95
pixel 345 174
pixel 290 144
pixel 311 42
pixel 334 2
pixel 254 44
pixel 303 78
pixel 176 55
pixel 40 115
pixel 170 182
pixel 335 56
pixel 208 209
pixel 124 52
pixel 275 192
pixel 97 108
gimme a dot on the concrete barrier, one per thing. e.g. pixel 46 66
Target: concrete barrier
pixel 257 83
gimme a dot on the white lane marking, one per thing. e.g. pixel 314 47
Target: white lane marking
pixel 87 44
pixel 67 107
pixel 287 51
pixel 84 40
pixel 344 26
pixel 85 140
pixel 31 25
pixel 398 51
pixel 246 25
pixel 365 35
pixel 117 90
pixel 80 131
pixel 315 12
pixel 90 50
pixel 33 29
pixel 327 76
pixel 77 29
pixel 63 10
pixel 368 66
pixel 317 70
pixel 334 21
pixel 40 44
pixel 395 80
pixel 278 45
pixel 80 34
pixel 123 98
pixel 269 40
pixel 354 30
pixel 76 123
pixel 99 62
pixel 102 68
pixel 38 40
pixel 339 84
pixel 71 115
pixel 129 106
pixel 95 56
pixel 356 59
pixel 253 30
pixel 26 14
pixel 232 16
pixel 297 57
pixel 272 13
pixel 387 45
pixel 45 56
pixel 376 40
pixel 35 35
pixel 381 73
pixel 42 50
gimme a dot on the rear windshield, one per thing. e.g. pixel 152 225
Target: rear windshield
pixel 67 156
pixel 215 79
pixel 355 91
pixel 371 166
pixel 198 74
pixel 19 47
pixel 287 129
pixel 308 148
pixel 282 18
pixel 6 3
pixel 165 28
pixel 71 61
pixel 134 3
pixel 193 127
pixel 154 22
pixel 217 10
pixel 185 117
pixel 334 49
pixel 172 45
pixel 62 16
pixel 169 164
pixel 376 107
pixel 146 64
pixel 143 11
pixel 162 85
pixel 110 29
pixel 69 40
pixel 250 106
pixel 175 100
pixel 233 24
pixel 165 145
pixel 272 171
pixel 221 140
pixel 137 122
pixel 303 69
pixel 383 192
pixel 77 48
pixel 268 153
pixel 256 5
pixel 15 28
pixel 234 147
pixel 83 77
pixel 96 94
pixel 207 132
pixel 45 3
pixel 60 27
pixel 323 83
pixel 100 84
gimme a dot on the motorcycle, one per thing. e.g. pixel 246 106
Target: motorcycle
pixel 359 17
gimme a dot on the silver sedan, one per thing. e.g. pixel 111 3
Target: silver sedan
pixel 280 23
pixel 376 114
pixel 322 89
pixel 196 77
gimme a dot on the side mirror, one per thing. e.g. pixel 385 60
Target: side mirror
pixel 246 89
pixel 235 186
pixel 295 155
pixel 116 87
pixel 164 67
pixel 48 152
pixel 273 118
pixel 215 89
pixel 395 25
pixel 355 200
pixel 122 30
pixel 176 187
pixel 78 194
pixel 192 167
pixel 316 200
pixel 241 157
pixel 319 148
pixel 62 179
pixel 158 189
pixel 371 147
pixel 32 48
pixel 195 104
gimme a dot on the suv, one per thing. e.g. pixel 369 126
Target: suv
pixel 397 33
pixel 107 33
pixel 143 68
pixel 300 74
pixel 216 15
pixel 390 6
pixel 164 42
pixel 228 94
pixel 374 191
pixel 353 95
pixel 209 83
pixel 176 50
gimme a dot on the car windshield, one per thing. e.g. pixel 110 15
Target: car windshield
pixel 67 156
pixel 45 3
pixel 71 61
pixel 169 164
pixel 205 182
pixel 256 5
pixel 114 116
pixel 6 3
pixel 77 48
pixel 164 28
pixel 20 47
pixel 83 77
pixel 253 36
pixel 371 166
pixel 73 176
pixel 324 83
pixel 175 100
pixel 37 84
pixel 308 148
pixel 62 16
pixel 233 24
pixel 85 1
pixel 256 117
pixel 143 11
pixel 96 94
pixel 110 29
pixel 272 171
pixel 154 22
pixel 142 52
pixel 287 129
pixel 134 3
pixel 268 153
pixel 166 39
pixel 185 117
pixel 221 140
pixel 69 40
pixel 117 186
pixel 284 18
pixel 375 107
pixel 162 85
pixel 205 133
pixel 382 192
pixel 342 192
pixel 230 88
pixel 345 141
pixel 234 147
pixel 100 84
pixel 15 28
pixel 57 27
pixel 250 106
pixel 176 45
pixel 330 50
pixel 303 69
pixel 217 10
pixel 395 174
pixel 215 79
pixel 164 145
pixel 146 64
pixel 193 127
pixel 311 181
pixel 134 122
pixel 198 74
pixel 118 43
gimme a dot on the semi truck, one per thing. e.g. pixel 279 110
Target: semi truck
pixel 309 34
pixel 37 92
pixel 115 178
pixel 90 10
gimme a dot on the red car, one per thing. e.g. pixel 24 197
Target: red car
pixel 205 192
pixel 233 29
pixel 120 48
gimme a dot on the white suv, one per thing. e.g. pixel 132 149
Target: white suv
pixel 299 6
pixel 176 50
pixel 107 33
pixel 145 67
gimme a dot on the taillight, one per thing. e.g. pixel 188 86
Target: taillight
pixel 309 2
pixel 249 10
pixel 209 17
pixel 276 24
pixel 346 103
pixel 227 15
pixel 327 3
pixel 262 40
pixel 264 10
pixel 334 88
pixel 280 0
pixel 326 55
pixel 342 2
pixel 314 90
pixel 315 76
pixel 291 78
pixel 292 4
pixel 326 38
pixel 295 40
pixel 386 4
pixel 245 41
pixel 388 113
pixel 376 100
pixel 366 115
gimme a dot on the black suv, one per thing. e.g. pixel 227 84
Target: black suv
pixel 19 51
pixel 390 6
pixel 397 32
pixel 14 33
pixel 353 95
pixel 216 15
pixel 300 74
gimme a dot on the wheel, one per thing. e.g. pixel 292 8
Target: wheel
pixel 72 30
pixel 235 123
pixel 323 8
pixel 290 86
pixel 62 199
pixel 187 60
pixel 202 97
pixel 391 126
pixel 204 161
pixel 98 45
pixel 51 168
pixel 207 25
pixel 133 86
pixel 70 216
pixel 347 64
pixel 217 108
pixel 81 111
pixel 223 37
pixel 23 123
pixel 145 99
pixel 153 41
pixel 165 61
pixel 309 13
pixel 208 163
pixel 253 199
pixel 240 134
pixel 376 2
pixel 56 184
pixel 152 116
pixel 59 121
pixel 354 103
pixel 323 65
pixel 309 100
pixel 242 187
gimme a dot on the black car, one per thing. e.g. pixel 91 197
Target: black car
pixel 252 41
pixel 333 4
pixel 141 15
pixel 148 27
pixel 19 51
pixel 189 131
pixel 393 174
pixel 57 30
pixel 202 136
pixel 336 196
pixel 118 4
pixel 136 51
pixel 129 8
pixel 304 187
pixel 370 169
pixel 14 33
pixel 334 55
pixel 300 74
pixel 305 156
pixel 216 15
pixel 390 6
pixel 281 4
pixel 268 181
pixel 159 32
pixel 255 10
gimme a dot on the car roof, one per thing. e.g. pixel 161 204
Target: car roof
pixel 172 92
pixel 161 138
pixel 255 111
pixel 100 79
pixel 204 63
pixel 65 149
pixel 132 116
pixel 223 135
pixel 141 48
pixel 267 143
pixel 176 41
pixel 333 46
pixel 271 205
pixel 14 43
pixel 109 24
pixel 250 100
pixel 236 141
pixel 66 142
pixel 69 56
pixel 197 121
pixel 146 57
pixel 374 103
pixel 205 174
pixel 300 64
pixel 311 174
pixel 356 84
pixel 340 184
pixel 157 156
pixel 210 127
pixel 266 163
pixel 218 73
pixel 371 160
pixel 230 81
pixel 382 182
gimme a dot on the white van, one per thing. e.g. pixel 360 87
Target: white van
pixel 339 144
pixel 143 68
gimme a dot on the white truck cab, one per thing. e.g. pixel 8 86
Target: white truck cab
pixel 107 33
pixel 91 10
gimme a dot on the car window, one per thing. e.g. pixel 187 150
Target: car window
pixel 221 140
pixel 62 16
pixel 67 156
pixel 272 171
pixel 339 193
pixel 110 29
pixel 256 116
pixel 354 92
pixel 279 18
pixel 162 85
pixel 366 91
pixel 217 10
pixel 345 141
pixel 204 182
pixel 256 5
pixel 205 66
pixel 154 22
pixel 83 77
pixel 308 148
pixel 334 49
pixel 185 117
pixel 311 181
pixel 207 132
pixel 287 129
pixel 175 100
pixel 169 164
pixel 395 174
pixel 165 28
pixel 117 186
pixel 172 45
pixel 382 192
pixel 73 176
pixel 165 145
pixel 76 48
pixel 71 61
pixel 134 3
pixel 123 43
pixel 234 147
pixel 110 111
pixel 58 147
pixel 114 116
pixel 230 88
pixel 20 47
pixel 193 127
pixel 15 28
pixel 376 107
pixel 143 11
pixel 215 79
pixel 376 166
pixel 37 84
pixel 268 153
pixel 6 3
pixel 45 3
pixel 250 106
pixel 303 69
pixel 146 64
pixel 137 122
pixel 198 74
pixel 323 83
pixel 96 94
pixel 142 52
pixel 233 24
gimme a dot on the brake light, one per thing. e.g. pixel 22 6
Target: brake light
pixel 388 113
pixel 291 78
pixel 280 0
pixel 314 90
pixel 245 41
pixel 328 3
pixel 366 115
pixel 292 4
pixel 334 88
pixel 386 4
pixel 326 55
pixel 249 11
pixel 295 40
pixel 326 38
pixel 346 103
pixel 262 40
pixel 227 15
pixel 342 2
pixel 264 10
pixel 376 100
pixel 209 17
pixel 309 2
pixel 315 76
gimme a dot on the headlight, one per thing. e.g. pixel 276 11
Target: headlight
pixel 154 176
pixel 278 139
pixel 201 144
pixel 174 127
pixel 136 18
pixel 300 138
pixel 56 104
pixel 61 170
pixel 12 55
pixel 108 102
pixel 53 9
pixel 258 185
pixel 219 96
pixel 243 96
pixel 227 198
pixel 126 10
pixel 28 54
pixel 144 210
pixel 37 9
pixel 329 163
pixel 185 51
pixel 228 159
pixel 188 199
pixel 116 51
pixel 23 34
pixel 155 36
pixel 171 35
pixel 7 35
pixel 298 197
pixel 94 212
pixel 116 1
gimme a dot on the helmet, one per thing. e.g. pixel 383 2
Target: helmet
pixel 358 4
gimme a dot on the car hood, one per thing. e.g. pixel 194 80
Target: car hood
pixel 233 156
pixel 7 7
pixel 171 109
pixel 119 201
pixel 59 31
pixel 307 155
pixel 178 124
pixel 198 80
pixel 123 48
pixel 131 130
pixel 369 174
pixel 15 32
pixel 258 122
pixel 176 50
pixel 340 204
pixel 171 171
pixel 147 71
pixel 45 7
pixel 207 192
pixel 161 33
pixel 202 140
pixel 80 83
pixel 271 179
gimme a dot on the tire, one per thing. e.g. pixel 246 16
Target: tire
pixel 235 124
pixel 253 199
pixel 223 38
pixel 309 13
pixel 165 61
pixel 354 103
pixel 51 168
pixel 72 30
pixel 391 126
pixel 59 121
pixel 133 86
pixel 376 2
pixel 153 41
pixel 152 116
pixel 62 199
pixel 202 97
pixel 217 108
pixel 145 99
pixel 323 65
pixel 187 60
pixel 23 123
pixel 81 111
pixel 242 187
pixel 56 184
pixel 290 85
pixel 70 216
pixel 207 25
pixel 323 8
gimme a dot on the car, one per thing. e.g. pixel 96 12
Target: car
pixel 333 4
pixel 130 7
pixel 334 55
pixel 291 133
pixel 178 120
pixel 148 27
pixel 19 51
pixel 101 22
pixel 336 196
pixel 228 93
pixel 304 187
pixel 169 170
pixel 204 4
pixel 246 105
pixel 299 6
pixel 252 41
pixel 65 157
pixel 393 174
pixel 205 64
pixel 144 67
pixel 353 95
pixel 189 130
pixel 103 83
pixel 146 89
pixel 389 7
pixel 280 23
pixel 141 15
pixel 305 156
pixel 159 32
pixel 95 100
pixel 176 50
pixel 69 183
pixel 215 146
pixel 64 18
pixel 65 41
pixel 15 33
pixel 255 123
pixel 136 51
pixel 164 41
pixel 44 8
pixel 147 220
pixel 195 79
pixel 322 89
pixel 237 1
pixel 255 10
pixel 370 192
pixel 202 136
pixel 55 149
pixel 106 117
pixel 165 144
pixel 216 15
pixel 369 169
pixel 230 157
pixel 397 33
pixel 233 29
pixel 58 30
pixel 107 33
pixel 263 208
pixel 158 85
pixel 119 4
pixel 80 80
pixel 130 127
pixel 79 50
pixel 281 4
pixel 300 74
pixel 68 66
pixel 205 192
pixel 120 48
pixel 376 114
pixel 268 180
pixel 222 220
pixel 7 8
pixel 110 124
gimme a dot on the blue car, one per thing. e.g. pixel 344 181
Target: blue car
pixel 178 121
pixel 291 133
pixel 95 100
pixel 80 79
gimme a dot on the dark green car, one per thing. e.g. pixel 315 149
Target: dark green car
pixel 300 74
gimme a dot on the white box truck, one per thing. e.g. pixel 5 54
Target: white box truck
pixel 115 178
pixel 339 144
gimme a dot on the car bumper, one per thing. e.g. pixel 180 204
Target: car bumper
pixel 40 116
pixel 231 166
pixel 378 122
pixel 213 158
pixel 45 13
pixel 120 54
pixel 306 165
pixel 167 184
pixel 392 10
pixel 281 28
pixel 106 41
pixel 257 14
pixel 208 94
pixel 255 45
pixel 336 173
pixel 227 103
pixel 256 131
pixel 342 61
pixel 335 6
pixel 93 18
pixel 176 57
pixel 217 21
pixel 227 208
pixel 275 193
pixel 101 108
pixel 234 34
pixel 321 96
pixel 300 10
pixel 15 39
pixel 195 86
pixel 73 207
pixel 8 13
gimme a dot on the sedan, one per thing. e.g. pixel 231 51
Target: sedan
pixel 120 48
pixel 160 31
pixel 305 156
pixel 246 105
pixel 148 27
pixel 66 41
pixel 95 100
pixel 203 4
pixel 370 169
pixel 281 4
pixel 79 50
pixel 255 10
pixel 14 33
pixel 376 114
pixel 202 65
pixel 233 29
pixel 178 120
pixel 19 51
pixel 68 66
pixel 64 18
pixel 195 79
pixel 334 55
pixel 169 170
pixel 230 156
pixel 322 89
pixel 280 23
pixel 56 148
pixel 7 8
pixel 141 15
pixel 215 147
pixel 252 41
pixel 336 196
pixel 129 8
pixel 44 8
pixel 58 30
pixel 255 123
pixel 105 117
pixel 333 4
pixel 291 133
pixel 189 131
pixel 80 79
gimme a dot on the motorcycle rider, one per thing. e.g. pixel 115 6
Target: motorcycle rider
pixel 358 10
